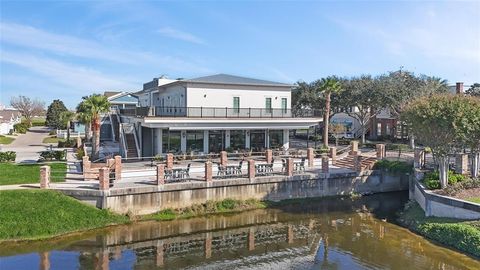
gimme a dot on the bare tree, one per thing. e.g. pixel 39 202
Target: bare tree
pixel 28 107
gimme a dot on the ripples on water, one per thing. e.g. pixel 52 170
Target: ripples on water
pixel 317 234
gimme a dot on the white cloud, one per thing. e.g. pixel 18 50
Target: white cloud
pixel 76 78
pixel 177 34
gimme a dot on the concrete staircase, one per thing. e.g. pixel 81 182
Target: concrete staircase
pixel 349 163
pixel 131 146
pixel 115 126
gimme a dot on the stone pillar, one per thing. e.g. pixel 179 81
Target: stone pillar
pixel 269 155
pixel 325 161
pixel 103 178
pixel 44 261
pixel 310 157
pixel 208 246
pixel 251 169
pixel 333 155
pixel 357 163
pixel 208 171
pixel 290 234
pixel 247 139
pixel 44 176
pixel 354 150
pixel 227 138
pixel 286 139
pixel 86 164
pixel 118 168
pixel 380 151
pixel 289 167
pixel 160 174
pixel 169 161
pixel 251 239
pixel 223 158
pixel 418 158
pixel 461 164
pixel 159 258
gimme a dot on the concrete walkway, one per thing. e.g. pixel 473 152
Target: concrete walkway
pixel 29 145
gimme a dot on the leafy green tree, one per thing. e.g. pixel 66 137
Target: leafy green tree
pixel 66 118
pixel 328 86
pixel 474 90
pixel 85 117
pixel 54 111
pixel 442 122
pixel 96 105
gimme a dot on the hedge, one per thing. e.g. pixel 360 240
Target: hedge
pixel 8 156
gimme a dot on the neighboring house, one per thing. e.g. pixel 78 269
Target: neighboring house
pixel 122 100
pixel 8 118
pixel 213 113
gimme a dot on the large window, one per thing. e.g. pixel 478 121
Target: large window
pixel 257 140
pixel 171 141
pixel 268 105
pixel 216 141
pixel 276 138
pixel 284 105
pixel 237 139
pixel 195 141
pixel 236 104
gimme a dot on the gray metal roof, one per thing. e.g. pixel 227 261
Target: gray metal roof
pixel 231 79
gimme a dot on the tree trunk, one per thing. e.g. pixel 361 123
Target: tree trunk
pixel 475 164
pixel 96 139
pixel 443 169
pixel 412 142
pixel 325 121
pixel 88 132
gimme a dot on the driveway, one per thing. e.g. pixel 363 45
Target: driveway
pixel 28 145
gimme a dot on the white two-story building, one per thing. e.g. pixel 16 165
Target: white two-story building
pixel 214 113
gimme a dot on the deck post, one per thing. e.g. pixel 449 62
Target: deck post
pixel 325 161
pixel 118 168
pixel 333 155
pixel 251 169
pixel 169 161
pixel 44 177
pixel 289 168
pixel 310 157
pixel 103 178
pixel 208 171
pixel 160 174
pixel 223 158
pixel 354 150
pixel 269 155
pixel 380 151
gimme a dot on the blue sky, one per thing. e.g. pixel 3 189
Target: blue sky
pixel 68 49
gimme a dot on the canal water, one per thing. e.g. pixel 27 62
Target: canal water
pixel 317 234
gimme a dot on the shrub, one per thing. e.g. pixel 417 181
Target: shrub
pixel 432 179
pixel 80 153
pixel 393 166
pixel 38 123
pixel 50 155
pixel 52 132
pixel 8 156
pixel 158 158
pixel 62 144
pixel 21 128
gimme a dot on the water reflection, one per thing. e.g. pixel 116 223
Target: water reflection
pixel 323 234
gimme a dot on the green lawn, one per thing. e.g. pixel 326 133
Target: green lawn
pixel 52 139
pixel 36 214
pixel 6 140
pixel 12 173
pixel 459 234
pixel 474 199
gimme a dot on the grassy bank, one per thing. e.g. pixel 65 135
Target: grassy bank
pixel 12 173
pixel 37 214
pixel 209 207
pixel 52 140
pixel 461 235
pixel 6 140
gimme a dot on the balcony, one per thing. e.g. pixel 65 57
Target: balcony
pixel 218 112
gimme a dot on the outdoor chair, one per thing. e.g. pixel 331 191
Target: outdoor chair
pixel 187 171
pixel 284 165
pixel 239 168
pixel 221 170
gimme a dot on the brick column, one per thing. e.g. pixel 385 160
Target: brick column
pixel 310 157
pixel 44 261
pixel 103 178
pixel 223 158
pixel 251 169
pixel 118 168
pixel 354 150
pixel 160 174
pixel 110 163
pixel 45 177
pixel 269 155
pixel 325 167
pixel 380 151
pixel 169 161
pixel 418 158
pixel 289 167
pixel 86 164
pixel 208 171
pixel 333 155
pixel 357 163
pixel 461 164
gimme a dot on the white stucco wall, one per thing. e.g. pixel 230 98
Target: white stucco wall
pixel 250 96
pixel 173 96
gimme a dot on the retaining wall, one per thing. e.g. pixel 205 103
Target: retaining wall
pixel 145 200
pixel 438 205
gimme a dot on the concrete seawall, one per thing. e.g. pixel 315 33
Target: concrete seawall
pixel 146 200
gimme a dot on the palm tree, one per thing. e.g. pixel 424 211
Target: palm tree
pixel 66 118
pixel 85 117
pixel 96 105
pixel 328 86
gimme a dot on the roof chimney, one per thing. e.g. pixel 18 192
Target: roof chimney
pixel 459 88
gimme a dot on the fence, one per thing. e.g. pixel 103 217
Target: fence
pixel 62 134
